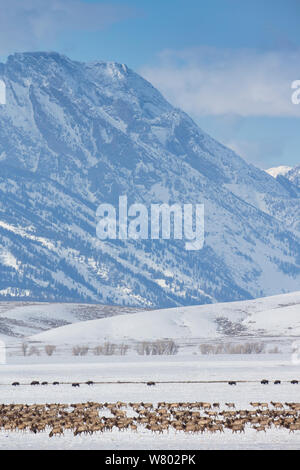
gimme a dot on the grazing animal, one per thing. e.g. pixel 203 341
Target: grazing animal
pixel 231 382
pixel 259 428
pixel 55 383
pixel 35 382
pixel 150 384
pixel 230 405
pixel 14 384
pixel 264 405
pixel 255 404
pixel 277 382
pixel 277 405
pixel 89 382
pixel 75 384
pixel 294 382
pixel 57 430
pixel 264 382
pixel 44 383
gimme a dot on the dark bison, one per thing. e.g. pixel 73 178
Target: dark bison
pixel 231 382
pixel 294 382
pixel 277 382
pixel 89 382
pixel 44 383
pixel 150 384
pixel 55 383
pixel 14 384
pixel 35 382
pixel 264 382
pixel 75 384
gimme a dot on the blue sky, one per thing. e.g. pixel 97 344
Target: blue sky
pixel 228 63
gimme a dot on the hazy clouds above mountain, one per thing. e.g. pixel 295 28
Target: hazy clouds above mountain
pixel 35 23
pixel 243 82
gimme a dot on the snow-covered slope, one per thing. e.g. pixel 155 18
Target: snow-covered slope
pixel 73 135
pixel 19 319
pixel 294 175
pixel 279 170
pixel 278 315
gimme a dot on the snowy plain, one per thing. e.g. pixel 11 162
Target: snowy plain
pixel 208 378
pixel 185 377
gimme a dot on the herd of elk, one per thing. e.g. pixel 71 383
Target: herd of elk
pixel 194 417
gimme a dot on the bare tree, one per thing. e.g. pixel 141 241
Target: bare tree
pixel 80 350
pixel 50 349
pixel 33 351
pixel 24 348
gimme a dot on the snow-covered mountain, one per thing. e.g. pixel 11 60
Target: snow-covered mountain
pixel 271 316
pixel 279 170
pixel 73 135
pixel 294 176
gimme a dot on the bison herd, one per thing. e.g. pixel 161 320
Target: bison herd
pixel 196 417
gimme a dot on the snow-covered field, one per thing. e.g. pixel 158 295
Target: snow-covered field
pixel 208 372
pixel 185 377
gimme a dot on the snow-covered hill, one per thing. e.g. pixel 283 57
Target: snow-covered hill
pixel 73 135
pixel 19 319
pixel 278 316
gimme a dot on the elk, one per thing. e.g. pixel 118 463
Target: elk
pixel 259 428
pixel 237 428
pixel 277 405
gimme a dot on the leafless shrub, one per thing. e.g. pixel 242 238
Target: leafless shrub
pixel 232 348
pixel 33 351
pixel 110 349
pixel 98 350
pixel 50 349
pixel 275 350
pixel 123 349
pixel 80 350
pixel 157 348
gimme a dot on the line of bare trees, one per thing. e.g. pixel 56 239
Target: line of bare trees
pixel 232 348
pixel 157 348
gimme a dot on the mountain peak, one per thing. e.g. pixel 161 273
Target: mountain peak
pixel 37 55
pixel 279 170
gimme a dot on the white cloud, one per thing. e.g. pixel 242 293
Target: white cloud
pixel 209 81
pixel 27 25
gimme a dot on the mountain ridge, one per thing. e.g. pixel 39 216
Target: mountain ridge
pixel 74 135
